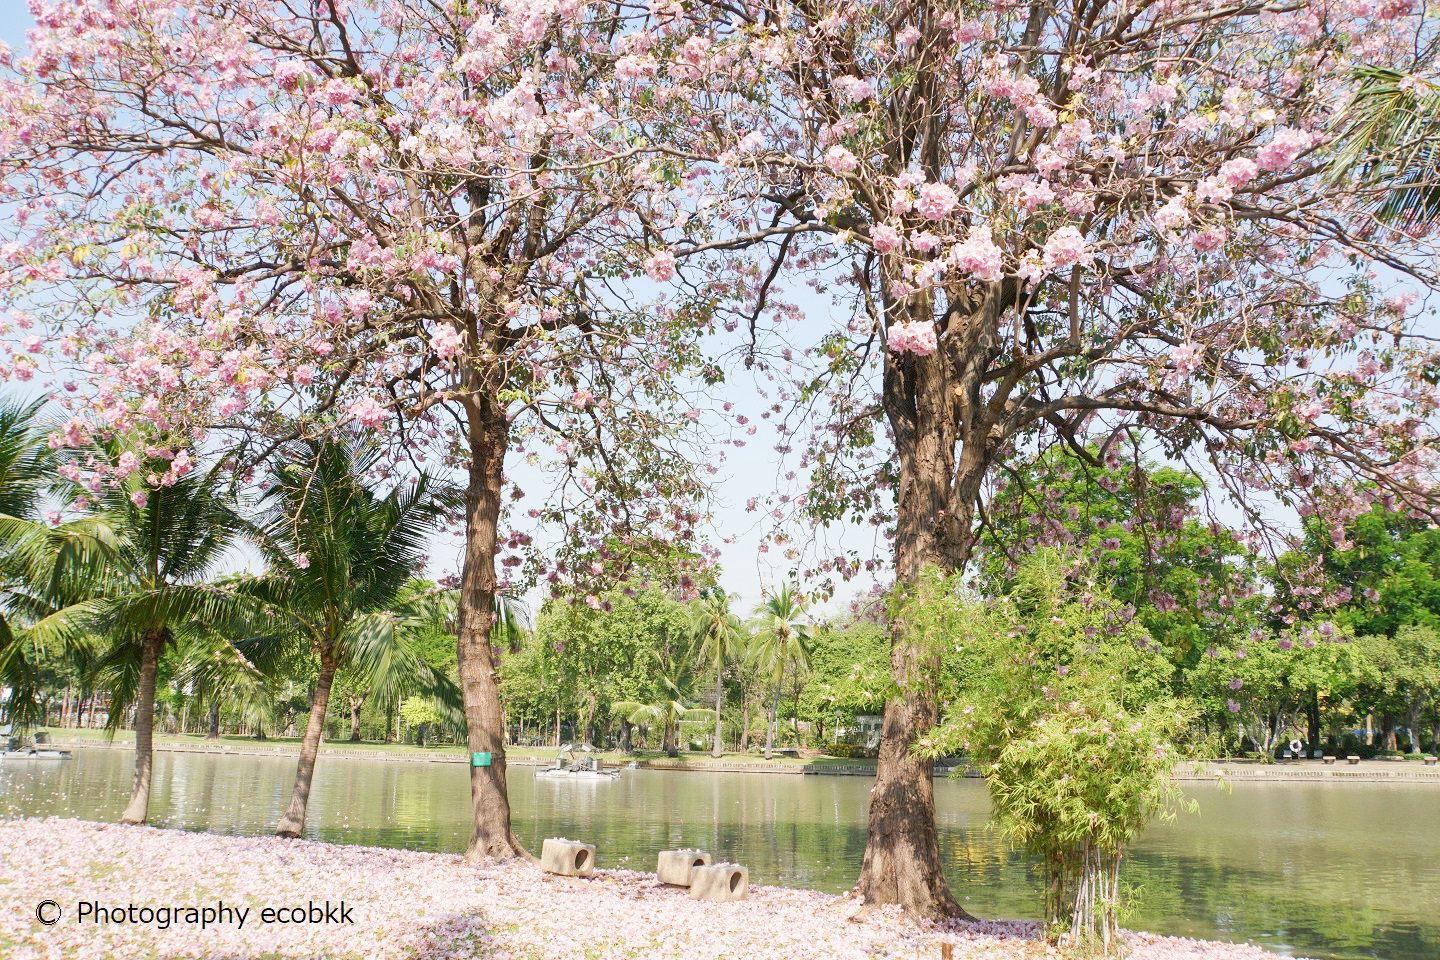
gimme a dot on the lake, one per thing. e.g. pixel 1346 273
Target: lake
pixel 1332 870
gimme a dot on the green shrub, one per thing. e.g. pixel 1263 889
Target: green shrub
pixel 1068 713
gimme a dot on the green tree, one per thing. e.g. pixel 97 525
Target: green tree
pixel 849 672
pixel 584 659
pixel 152 588
pixel 1402 679
pixel 1263 688
pixel 341 558
pixel 421 715
pixel 1380 578
pixel 781 641
pixel 1069 715
pixel 721 639
pixel 1191 582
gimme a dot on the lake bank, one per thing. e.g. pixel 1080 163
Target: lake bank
pixel 1297 868
pixel 1366 771
pixel 405 904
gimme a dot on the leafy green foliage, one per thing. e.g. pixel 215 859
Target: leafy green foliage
pixel 1068 713
pixel 1191 583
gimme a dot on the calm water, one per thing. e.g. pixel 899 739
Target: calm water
pixel 1324 870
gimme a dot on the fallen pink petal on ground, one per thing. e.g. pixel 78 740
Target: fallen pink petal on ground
pixel 409 904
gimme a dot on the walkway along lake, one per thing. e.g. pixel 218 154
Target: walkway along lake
pixel 1333 870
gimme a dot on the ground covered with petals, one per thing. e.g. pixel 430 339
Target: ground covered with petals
pixel 406 904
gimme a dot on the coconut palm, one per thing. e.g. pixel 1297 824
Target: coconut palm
pixel 668 707
pixel 27 463
pixel 42 567
pixel 341 558
pixel 665 712
pixel 720 637
pixel 137 582
pixel 782 640
pixel 26 468
pixel 1389 135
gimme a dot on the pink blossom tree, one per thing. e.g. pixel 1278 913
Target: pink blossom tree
pixel 1107 226
pixel 232 224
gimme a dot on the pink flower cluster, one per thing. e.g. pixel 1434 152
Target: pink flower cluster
pixel 660 266
pixel 936 201
pixel 1065 247
pixel 917 338
pixel 979 256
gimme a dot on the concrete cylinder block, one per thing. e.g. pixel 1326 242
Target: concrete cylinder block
pixel 675 865
pixel 721 882
pixel 567 858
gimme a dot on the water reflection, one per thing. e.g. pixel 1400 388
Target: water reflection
pixel 1325 870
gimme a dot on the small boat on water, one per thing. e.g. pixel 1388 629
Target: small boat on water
pixel 40 748
pixel 573 773
pixel 36 753
pixel 569 768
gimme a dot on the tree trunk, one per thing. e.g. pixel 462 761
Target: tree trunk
pixel 491 834
pixel 670 739
pixel 934 516
pixel 795 708
pixel 771 723
pixel 1094 921
pixel 138 809
pixel 1412 722
pixel 292 822
pixel 355 704
pixel 1387 733
pixel 718 747
pixel 212 730
pixel 389 723
pixel 1312 721
pixel 744 721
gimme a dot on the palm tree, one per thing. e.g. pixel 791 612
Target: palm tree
pixel 720 637
pixel 781 639
pixel 666 712
pixel 26 468
pixel 27 463
pixel 142 586
pixel 42 568
pixel 675 659
pixel 1388 136
pixel 509 631
pixel 341 558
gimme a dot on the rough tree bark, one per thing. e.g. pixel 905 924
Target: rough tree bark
pixel 718 747
pixel 138 809
pixel 771 723
pixel 1312 721
pixel 292 821
pixel 491 833
pixel 942 442
pixel 355 704
pixel 212 726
